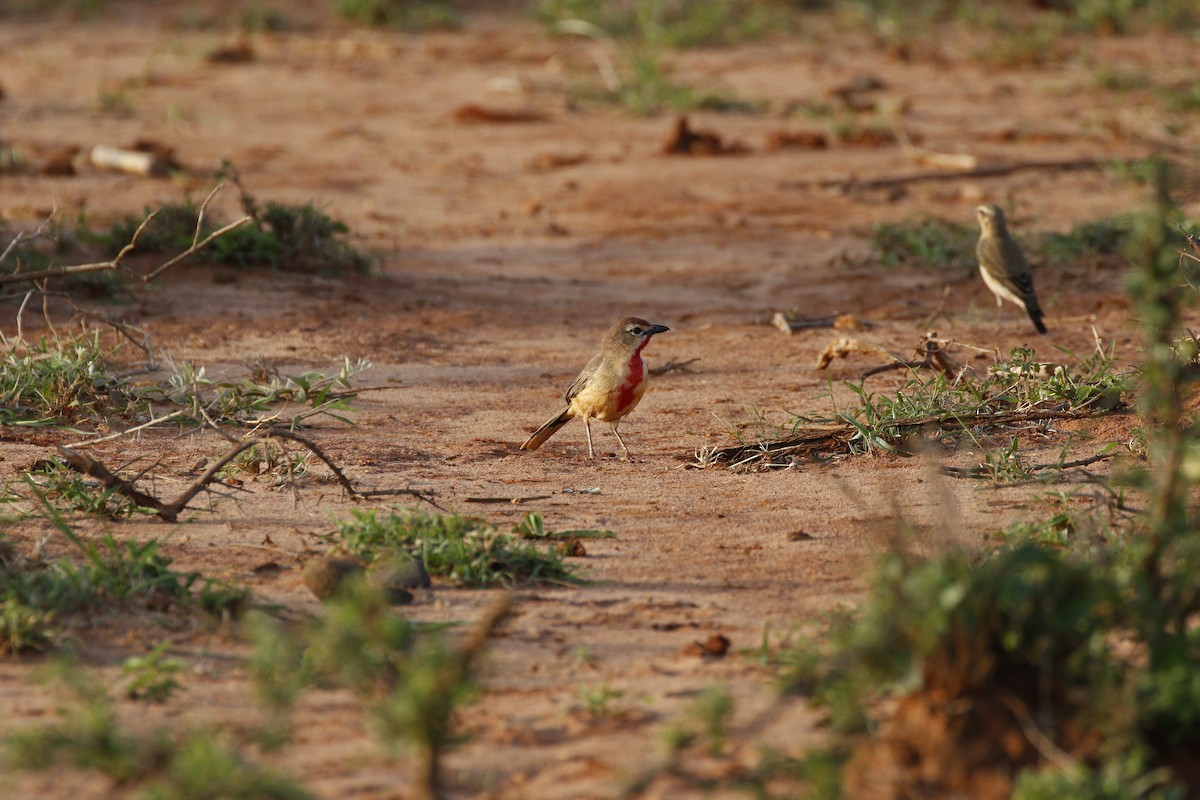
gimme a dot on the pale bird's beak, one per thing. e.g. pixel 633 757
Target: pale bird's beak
pixel 653 329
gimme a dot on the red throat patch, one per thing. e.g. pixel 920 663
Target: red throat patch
pixel 636 374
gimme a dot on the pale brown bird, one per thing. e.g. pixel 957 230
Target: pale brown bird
pixel 609 387
pixel 1003 265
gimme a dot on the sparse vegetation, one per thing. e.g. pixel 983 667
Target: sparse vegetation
pixel 55 382
pixel 1098 238
pixel 67 490
pixel 633 44
pixel 673 23
pixel 927 243
pixel 410 15
pixel 162 765
pixel 410 682
pixel 152 677
pixel 37 596
pixel 73 381
pixel 1085 645
pixel 943 405
pixel 466 550
pixel 297 238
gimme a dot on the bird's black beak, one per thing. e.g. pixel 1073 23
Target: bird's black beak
pixel 653 329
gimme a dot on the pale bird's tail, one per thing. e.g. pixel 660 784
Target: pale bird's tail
pixel 539 437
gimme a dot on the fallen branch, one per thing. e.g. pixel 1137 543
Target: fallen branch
pixel 515 501
pixel 84 463
pixel 837 437
pixel 986 472
pixel 673 366
pixel 935 357
pixel 992 171
pixel 115 265
pixel 789 324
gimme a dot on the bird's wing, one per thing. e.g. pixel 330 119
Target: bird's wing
pixel 582 379
pixel 1004 261
pixel 1018 271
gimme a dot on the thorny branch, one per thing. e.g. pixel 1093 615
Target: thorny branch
pixel 935 356
pixel 84 463
pixel 114 264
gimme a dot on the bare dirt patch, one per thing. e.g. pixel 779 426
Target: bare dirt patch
pixel 505 250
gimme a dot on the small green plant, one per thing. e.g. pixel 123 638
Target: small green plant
pixel 1118 78
pixel 412 15
pixel 55 382
pixel 71 491
pixel 162 766
pixel 70 381
pixel 152 677
pixel 1004 465
pixel 1182 99
pixel 36 596
pixel 927 243
pixel 409 681
pixel 466 550
pixel 116 99
pixel 1099 238
pixel 599 701
pixel 672 23
pixel 532 526
pixel 1019 386
pixel 296 238
pixel 259 17
pixel 269 459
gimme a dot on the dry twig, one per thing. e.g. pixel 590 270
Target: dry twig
pixel 84 463
pixel 115 265
pixel 896 181
pixel 935 357
pixel 673 366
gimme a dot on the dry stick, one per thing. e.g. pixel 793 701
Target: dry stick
pixel 997 170
pixel 23 237
pixel 983 472
pixel 514 501
pixel 127 431
pixel 84 463
pixel 811 439
pixel 122 328
pixel 789 324
pixel 673 366
pixel 115 263
pixel 197 485
pixel 99 266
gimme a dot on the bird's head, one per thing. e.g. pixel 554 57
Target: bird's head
pixel 632 333
pixel 991 218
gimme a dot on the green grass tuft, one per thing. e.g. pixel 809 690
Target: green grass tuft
pixel 409 15
pixel 292 238
pixel 466 550
pixel 928 243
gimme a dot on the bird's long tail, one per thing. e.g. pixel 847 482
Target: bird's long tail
pixel 538 438
pixel 1035 314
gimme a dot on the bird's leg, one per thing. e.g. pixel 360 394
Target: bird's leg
pixel 587 426
pixel 622 441
pixel 999 310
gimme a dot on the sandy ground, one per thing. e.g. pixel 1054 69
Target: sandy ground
pixel 504 252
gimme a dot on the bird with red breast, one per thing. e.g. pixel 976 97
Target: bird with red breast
pixel 609 387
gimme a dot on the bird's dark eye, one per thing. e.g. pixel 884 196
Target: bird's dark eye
pixel 638 331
